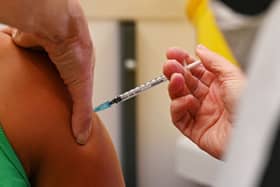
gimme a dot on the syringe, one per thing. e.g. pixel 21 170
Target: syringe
pixel 137 90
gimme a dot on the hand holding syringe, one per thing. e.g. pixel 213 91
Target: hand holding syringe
pixel 139 89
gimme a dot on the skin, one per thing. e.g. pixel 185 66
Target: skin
pixel 203 100
pixel 61 29
pixel 35 113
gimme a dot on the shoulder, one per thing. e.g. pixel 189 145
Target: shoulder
pixel 35 110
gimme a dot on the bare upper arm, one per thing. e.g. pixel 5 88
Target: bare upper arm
pixel 35 110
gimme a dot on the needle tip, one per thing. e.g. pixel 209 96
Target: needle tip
pixel 103 106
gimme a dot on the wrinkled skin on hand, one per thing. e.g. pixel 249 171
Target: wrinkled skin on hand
pixel 203 100
pixel 62 31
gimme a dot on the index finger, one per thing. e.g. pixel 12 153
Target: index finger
pixel 180 55
pixel 183 57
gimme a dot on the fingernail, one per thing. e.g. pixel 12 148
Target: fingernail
pixel 201 47
pixel 14 33
pixel 82 138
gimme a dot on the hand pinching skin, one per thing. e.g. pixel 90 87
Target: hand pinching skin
pixel 60 28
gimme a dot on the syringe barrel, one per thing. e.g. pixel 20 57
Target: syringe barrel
pixel 134 92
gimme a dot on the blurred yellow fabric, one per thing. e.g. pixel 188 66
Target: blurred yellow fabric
pixel 207 30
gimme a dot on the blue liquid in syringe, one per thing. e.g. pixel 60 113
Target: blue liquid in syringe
pixel 103 106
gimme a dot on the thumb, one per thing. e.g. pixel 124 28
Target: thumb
pixel 214 62
pixel 82 110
